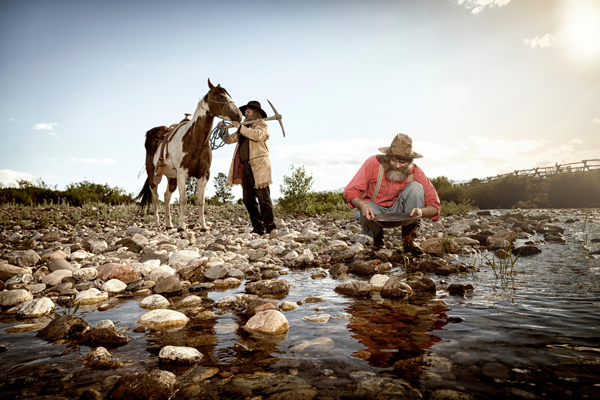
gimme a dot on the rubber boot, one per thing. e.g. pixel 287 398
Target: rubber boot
pixel 409 234
pixel 378 242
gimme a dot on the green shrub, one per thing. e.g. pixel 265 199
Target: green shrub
pixel 451 208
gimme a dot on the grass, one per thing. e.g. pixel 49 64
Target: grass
pixel 500 267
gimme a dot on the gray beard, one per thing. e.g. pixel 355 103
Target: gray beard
pixel 397 174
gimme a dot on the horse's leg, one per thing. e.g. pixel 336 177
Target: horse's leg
pixel 201 184
pixel 154 190
pixel 181 178
pixel 171 186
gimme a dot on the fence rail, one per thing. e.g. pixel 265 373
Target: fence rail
pixel 544 172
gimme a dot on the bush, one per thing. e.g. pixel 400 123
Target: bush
pixel 452 208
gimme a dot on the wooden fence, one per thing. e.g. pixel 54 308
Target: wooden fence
pixel 544 172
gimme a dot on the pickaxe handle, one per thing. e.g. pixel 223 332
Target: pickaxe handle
pixel 277 117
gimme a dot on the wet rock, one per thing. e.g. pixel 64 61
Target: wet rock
pixel 114 286
pixel 179 355
pixel 525 251
pixel 420 283
pixel 267 322
pixel 152 385
pixel 22 258
pixel 377 282
pixel 243 385
pixel 163 319
pixel 321 318
pixel 460 288
pixel 437 266
pixel 268 287
pixel 91 296
pixel 258 305
pixel 354 288
pixel 135 286
pixel 448 394
pixel 382 388
pixel 554 238
pixel 109 336
pixel 439 246
pixel 501 236
pixel 363 268
pixel 298 394
pixel 122 272
pixel 100 358
pixel 9 298
pixel 85 274
pixel 154 302
pixel 105 323
pixel 394 288
pixel 64 327
pixel 7 271
pixel 203 340
pixel 56 277
pixel 323 344
pixel 495 371
pixel 190 301
pixel 36 308
pixel 168 285
pixel 338 270
pixel 288 306
pixel 342 255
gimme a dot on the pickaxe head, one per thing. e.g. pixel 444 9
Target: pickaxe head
pixel 278 117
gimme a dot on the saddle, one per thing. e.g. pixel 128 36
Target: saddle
pixel 165 136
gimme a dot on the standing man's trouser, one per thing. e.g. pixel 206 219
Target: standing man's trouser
pixel 262 217
pixel 413 196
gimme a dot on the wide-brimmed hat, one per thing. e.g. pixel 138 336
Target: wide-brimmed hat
pixel 401 146
pixel 256 105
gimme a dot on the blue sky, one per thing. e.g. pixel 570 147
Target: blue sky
pixel 483 86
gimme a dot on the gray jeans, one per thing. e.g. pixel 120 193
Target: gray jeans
pixel 413 196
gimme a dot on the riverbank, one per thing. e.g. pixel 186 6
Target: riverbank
pixel 344 321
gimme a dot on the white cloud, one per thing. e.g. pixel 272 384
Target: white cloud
pixel 477 6
pixel 91 160
pixel 53 134
pixel 45 126
pixel 12 120
pixel 9 178
pixel 577 141
pixel 502 149
pixel 543 41
pixel 596 120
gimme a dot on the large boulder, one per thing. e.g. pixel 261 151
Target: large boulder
pixel 396 289
pixel 64 327
pixel 354 288
pixel 163 319
pixel 179 355
pixel 270 322
pixel 154 384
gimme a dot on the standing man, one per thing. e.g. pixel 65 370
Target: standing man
pixel 251 167
pixel 392 183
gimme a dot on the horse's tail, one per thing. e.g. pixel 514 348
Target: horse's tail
pixel 145 195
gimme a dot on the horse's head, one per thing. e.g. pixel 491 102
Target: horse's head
pixel 221 104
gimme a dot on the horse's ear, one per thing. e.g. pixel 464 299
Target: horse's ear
pixel 210 85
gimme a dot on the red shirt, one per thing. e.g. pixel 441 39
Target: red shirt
pixel 364 182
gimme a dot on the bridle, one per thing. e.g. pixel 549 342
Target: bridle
pixel 225 103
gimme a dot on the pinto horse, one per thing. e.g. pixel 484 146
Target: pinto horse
pixel 186 152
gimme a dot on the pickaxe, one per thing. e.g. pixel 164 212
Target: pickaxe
pixel 277 117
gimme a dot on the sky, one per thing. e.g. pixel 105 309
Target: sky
pixel 483 87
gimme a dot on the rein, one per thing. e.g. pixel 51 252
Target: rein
pixel 219 133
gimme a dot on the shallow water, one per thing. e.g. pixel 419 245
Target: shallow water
pixel 534 333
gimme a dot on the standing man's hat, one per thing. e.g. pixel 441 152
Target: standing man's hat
pixel 401 146
pixel 255 105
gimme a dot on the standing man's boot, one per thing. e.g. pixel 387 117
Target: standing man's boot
pixel 409 234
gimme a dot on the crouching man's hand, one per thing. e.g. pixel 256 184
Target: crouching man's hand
pixel 364 208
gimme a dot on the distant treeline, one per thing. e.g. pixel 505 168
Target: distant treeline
pixel 75 194
pixel 569 190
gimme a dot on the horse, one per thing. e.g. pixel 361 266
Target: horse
pixel 187 153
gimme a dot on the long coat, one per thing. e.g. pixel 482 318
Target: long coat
pixel 258 134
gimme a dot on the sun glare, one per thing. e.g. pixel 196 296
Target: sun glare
pixel 582 28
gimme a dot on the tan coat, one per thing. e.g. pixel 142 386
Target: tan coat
pixel 258 133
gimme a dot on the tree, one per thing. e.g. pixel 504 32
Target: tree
pixel 222 191
pixel 191 187
pixel 296 190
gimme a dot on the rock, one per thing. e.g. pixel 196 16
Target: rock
pixel 439 246
pixel 460 288
pixel 56 277
pixel 320 344
pixel 85 274
pixel 51 237
pixel 100 358
pixel 168 285
pixel 457 229
pixel 114 286
pixel 163 319
pixel 7 271
pixel 106 337
pixel 258 305
pixel 98 247
pixel 181 258
pixel 105 323
pixel 216 272
pixel 91 296
pixel 190 301
pixel 79 255
pixel 525 251
pixel 437 266
pixel 322 318
pixel 122 272
pixel 342 255
pixel 363 268
pixel 53 255
pixel 268 287
pixel 354 288
pixel 160 273
pixel 500 237
pixel 154 302
pixel 203 340
pixel 288 306
pixel 22 258
pixel 154 384
pixel 448 394
pixel 396 289
pixel 64 327
pixel 420 283
pixel 36 308
pixel 179 355
pixel 495 371
pixel 10 298
pixel 60 263
pixel 21 279
pixel 269 322
pixel 338 270
pixel 377 282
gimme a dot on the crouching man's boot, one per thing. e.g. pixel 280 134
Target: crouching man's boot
pixel 409 234
pixel 378 242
